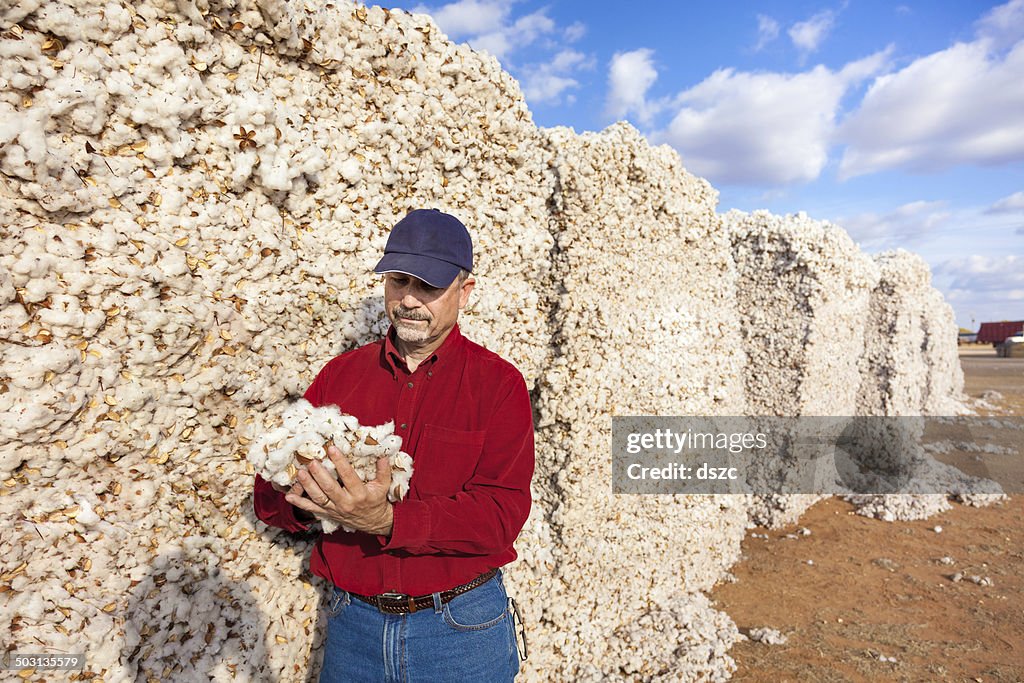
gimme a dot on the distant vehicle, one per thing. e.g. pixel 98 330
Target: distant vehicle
pixel 1012 347
pixel 996 333
pixel 967 338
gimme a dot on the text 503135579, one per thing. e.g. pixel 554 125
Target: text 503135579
pixel 42 661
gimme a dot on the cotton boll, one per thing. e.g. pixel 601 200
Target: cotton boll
pixel 203 383
pixel 243 166
pixel 35 264
pixel 330 526
pixel 391 443
pixel 28 368
pixel 380 431
pixel 38 289
pixel 32 138
pixel 14 13
pixel 64 311
pixel 29 605
pixel 11 318
pixel 341 440
pixel 173 264
pixel 279 454
pixel 331 418
pixel 401 474
pixel 232 55
pixel 402 461
pixel 350 422
pixel 139 494
pixel 86 515
pixel 281 478
pixel 306 446
pixel 276 168
pixel 367 447
pixel 351 171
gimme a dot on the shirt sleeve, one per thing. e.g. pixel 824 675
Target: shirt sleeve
pixel 487 515
pixel 271 507
pixel 268 503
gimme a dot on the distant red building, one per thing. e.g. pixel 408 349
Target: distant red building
pixel 995 333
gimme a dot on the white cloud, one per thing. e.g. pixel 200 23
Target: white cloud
pixel 983 288
pixel 574 31
pixel 547 81
pixel 497 44
pixel 1011 204
pixel 547 87
pixel 630 75
pixel 961 105
pixel 567 59
pixel 1000 275
pixel 767 31
pixel 808 35
pixel 903 225
pixel 1002 26
pixel 468 17
pixel 522 33
pixel 486 25
pixel 761 128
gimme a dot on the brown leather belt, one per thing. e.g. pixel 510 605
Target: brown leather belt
pixel 400 603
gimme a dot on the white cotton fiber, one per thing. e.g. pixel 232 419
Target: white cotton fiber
pixel 303 436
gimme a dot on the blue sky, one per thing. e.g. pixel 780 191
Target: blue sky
pixel 903 123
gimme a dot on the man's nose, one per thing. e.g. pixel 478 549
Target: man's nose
pixel 409 300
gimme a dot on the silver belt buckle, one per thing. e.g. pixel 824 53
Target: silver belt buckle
pixel 404 599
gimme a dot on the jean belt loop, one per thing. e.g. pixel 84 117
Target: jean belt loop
pixel 437 602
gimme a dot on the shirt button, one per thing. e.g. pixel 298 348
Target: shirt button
pixel 402 426
pixel 430 373
pixel 409 385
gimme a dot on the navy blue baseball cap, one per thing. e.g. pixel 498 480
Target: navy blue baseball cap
pixel 430 245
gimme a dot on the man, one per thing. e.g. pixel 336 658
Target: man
pixel 417 595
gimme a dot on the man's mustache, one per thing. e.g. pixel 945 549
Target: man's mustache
pixel 409 314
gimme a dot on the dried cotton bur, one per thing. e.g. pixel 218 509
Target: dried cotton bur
pixel 303 435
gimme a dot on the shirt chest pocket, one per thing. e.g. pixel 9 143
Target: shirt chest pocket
pixel 445 459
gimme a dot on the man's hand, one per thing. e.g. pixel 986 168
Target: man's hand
pixel 295 489
pixel 356 504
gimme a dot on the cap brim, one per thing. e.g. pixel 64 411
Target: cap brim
pixel 434 272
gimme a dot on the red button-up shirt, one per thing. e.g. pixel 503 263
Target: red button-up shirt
pixel 465 418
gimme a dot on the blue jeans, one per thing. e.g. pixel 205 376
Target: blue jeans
pixel 470 638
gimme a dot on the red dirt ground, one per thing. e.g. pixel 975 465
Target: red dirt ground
pixel 878 589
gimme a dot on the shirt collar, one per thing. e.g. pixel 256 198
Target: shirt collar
pixel 449 347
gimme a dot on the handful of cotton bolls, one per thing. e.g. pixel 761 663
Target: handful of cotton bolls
pixel 302 437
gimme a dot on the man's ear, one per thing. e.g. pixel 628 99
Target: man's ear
pixel 464 290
